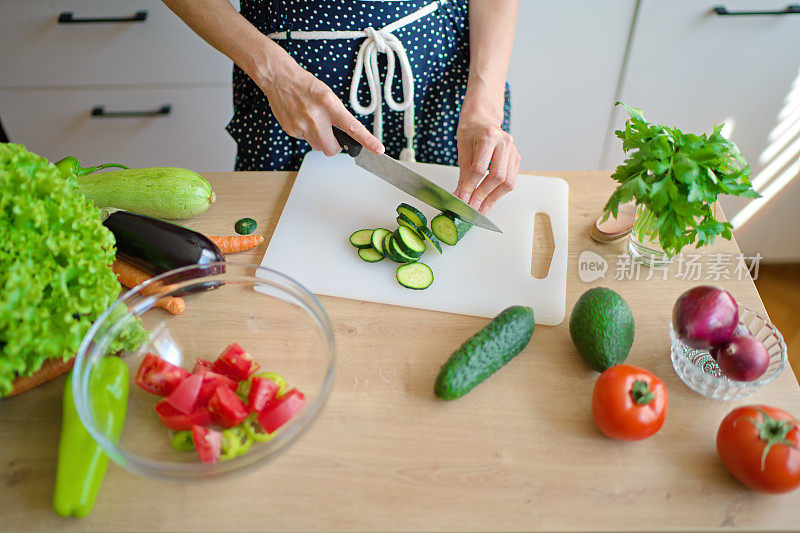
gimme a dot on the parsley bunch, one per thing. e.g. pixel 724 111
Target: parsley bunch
pixel 677 178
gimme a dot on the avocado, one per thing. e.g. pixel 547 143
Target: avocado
pixel 485 352
pixel 601 326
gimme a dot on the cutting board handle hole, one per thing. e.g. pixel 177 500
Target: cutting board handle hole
pixel 543 246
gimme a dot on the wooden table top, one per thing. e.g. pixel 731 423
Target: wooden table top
pixel 519 452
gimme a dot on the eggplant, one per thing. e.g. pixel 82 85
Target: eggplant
pixel 157 246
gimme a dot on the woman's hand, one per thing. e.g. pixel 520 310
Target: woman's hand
pixel 484 147
pixel 306 108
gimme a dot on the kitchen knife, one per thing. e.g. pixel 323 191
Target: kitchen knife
pixel 411 182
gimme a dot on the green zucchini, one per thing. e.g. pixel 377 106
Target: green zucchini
pixel 377 239
pixel 485 352
pixel 430 237
pixel 397 252
pixel 160 192
pixel 414 214
pixel 388 248
pixel 448 228
pixel 415 276
pixel 361 238
pixel 409 242
pixel 370 255
pixel 245 226
pixel 403 220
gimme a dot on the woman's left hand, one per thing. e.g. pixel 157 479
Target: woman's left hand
pixel 484 147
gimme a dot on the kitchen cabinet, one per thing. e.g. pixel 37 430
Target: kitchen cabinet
pixel 563 73
pixel 692 68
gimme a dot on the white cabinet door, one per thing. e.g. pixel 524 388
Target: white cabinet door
pixel 693 68
pixel 563 73
pixel 55 123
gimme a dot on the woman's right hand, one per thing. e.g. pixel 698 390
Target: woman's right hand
pixel 306 108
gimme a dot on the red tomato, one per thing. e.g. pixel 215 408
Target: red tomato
pixel 201 364
pixel 159 376
pixel 208 443
pixel 212 380
pixel 174 419
pixel 280 410
pixel 185 394
pixel 629 403
pixel 235 363
pixel 262 390
pixel 760 446
pixel 226 408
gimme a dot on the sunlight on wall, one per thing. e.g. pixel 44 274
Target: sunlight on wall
pixel 783 150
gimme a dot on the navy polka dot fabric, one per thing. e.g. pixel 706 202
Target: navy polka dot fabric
pixel 438 50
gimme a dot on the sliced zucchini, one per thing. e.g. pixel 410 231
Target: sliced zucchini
pixel 388 248
pixel 409 241
pixel 403 220
pixel 397 252
pixel 377 239
pixel 361 238
pixel 370 255
pixel 430 237
pixel 448 228
pixel 416 276
pixel 412 213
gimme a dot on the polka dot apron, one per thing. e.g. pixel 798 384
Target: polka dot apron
pixel 399 66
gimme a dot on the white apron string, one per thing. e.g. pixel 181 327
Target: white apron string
pixel 381 41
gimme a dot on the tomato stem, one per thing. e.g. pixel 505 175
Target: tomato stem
pixel 772 431
pixel 641 393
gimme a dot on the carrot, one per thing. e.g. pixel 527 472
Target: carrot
pixel 51 369
pixel 131 276
pixel 229 244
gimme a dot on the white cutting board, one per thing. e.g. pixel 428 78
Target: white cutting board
pixel 480 276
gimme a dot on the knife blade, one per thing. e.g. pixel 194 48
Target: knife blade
pixel 415 184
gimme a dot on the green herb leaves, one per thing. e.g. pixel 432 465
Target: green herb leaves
pixel 677 177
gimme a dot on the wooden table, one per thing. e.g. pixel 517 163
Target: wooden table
pixel 519 452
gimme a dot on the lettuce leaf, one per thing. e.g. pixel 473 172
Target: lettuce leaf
pixel 55 278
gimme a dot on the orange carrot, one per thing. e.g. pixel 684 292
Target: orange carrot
pixel 51 369
pixel 229 244
pixel 131 276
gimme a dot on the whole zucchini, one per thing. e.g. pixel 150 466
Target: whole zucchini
pixel 157 245
pixel 485 352
pixel 163 192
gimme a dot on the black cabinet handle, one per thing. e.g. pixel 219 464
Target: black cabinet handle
pixel 68 17
pixel 100 111
pixel 791 9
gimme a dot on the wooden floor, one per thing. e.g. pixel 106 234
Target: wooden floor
pixel 779 287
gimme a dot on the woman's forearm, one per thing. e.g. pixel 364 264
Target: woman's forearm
pixel 491 36
pixel 221 26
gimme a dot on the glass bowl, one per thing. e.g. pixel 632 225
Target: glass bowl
pixel 702 374
pixel 270 315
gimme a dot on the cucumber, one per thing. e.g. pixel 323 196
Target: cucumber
pixel 397 252
pixel 370 255
pixel 388 249
pixel 245 226
pixel 160 192
pixel 485 352
pixel 361 238
pixel 414 214
pixel 448 228
pixel 403 220
pixel 409 242
pixel 377 239
pixel 415 276
pixel 430 237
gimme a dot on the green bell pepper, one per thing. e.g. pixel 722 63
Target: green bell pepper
pixel 81 461
pixel 70 166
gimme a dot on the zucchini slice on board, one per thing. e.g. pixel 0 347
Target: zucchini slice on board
pixel 431 238
pixel 412 213
pixel 415 276
pixel 377 239
pixel 388 249
pixel 485 352
pixel 403 220
pixel 398 252
pixel 361 238
pixel 409 242
pixel 370 255
pixel 448 228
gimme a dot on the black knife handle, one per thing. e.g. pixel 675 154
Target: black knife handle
pixel 349 145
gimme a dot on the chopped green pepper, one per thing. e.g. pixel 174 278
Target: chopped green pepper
pixel 81 461
pixel 182 441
